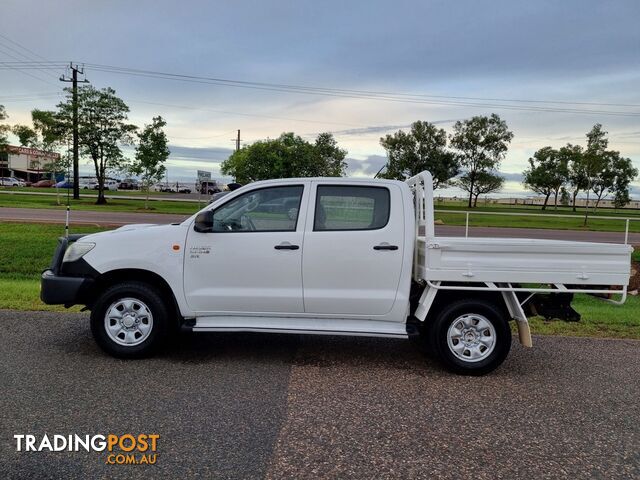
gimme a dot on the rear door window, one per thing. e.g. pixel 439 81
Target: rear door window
pixel 351 207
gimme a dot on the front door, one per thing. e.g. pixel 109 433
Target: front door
pixel 251 261
pixel 353 250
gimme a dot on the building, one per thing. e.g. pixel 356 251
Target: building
pixel 28 164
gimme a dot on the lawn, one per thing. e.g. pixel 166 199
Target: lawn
pixel 63 191
pixel 26 250
pixel 451 213
pixel 556 223
pixel 85 203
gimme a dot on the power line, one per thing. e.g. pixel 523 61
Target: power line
pixel 244 114
pixel 18 69
pixel 22 55
pixel 23 47
pixel 340 90
pixel 369 95
pixel 459 101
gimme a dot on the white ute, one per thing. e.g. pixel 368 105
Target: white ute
pixel 330 256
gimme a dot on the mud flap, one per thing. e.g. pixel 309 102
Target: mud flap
pixel 517 313
pixel 425 302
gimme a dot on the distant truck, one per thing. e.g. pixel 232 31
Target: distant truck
pixel 209 187
pixel 326 256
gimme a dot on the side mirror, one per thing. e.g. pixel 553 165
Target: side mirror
pixel 204 222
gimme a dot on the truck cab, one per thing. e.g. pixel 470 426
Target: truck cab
pixel 332 256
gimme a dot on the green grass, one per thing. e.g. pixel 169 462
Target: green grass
pixel 599 319
pixel 452 214
pixel 26 250
pixel 555 223
pixel 117 205
pixel 24 294
pixel 63 191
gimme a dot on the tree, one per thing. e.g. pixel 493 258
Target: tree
pixel 102 129
pixel 616 175
pixel 331 157
pixel 286 156
pixel 547 173
pixel 626 173
pixel 3 129
pixel 576 174
pixel 483 183
pixel 423 148
pixel 606 171
pixel 482 143
pixel 594 162
pixel 564 197
pixel 26 136
pixel 3 135
pixel 46 135
pixel 151 153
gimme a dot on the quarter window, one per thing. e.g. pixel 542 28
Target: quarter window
pixel 273 209
pixel 348 207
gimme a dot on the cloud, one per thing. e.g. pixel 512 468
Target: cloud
pixel 511 177
pixel 367 167
pixel 181 153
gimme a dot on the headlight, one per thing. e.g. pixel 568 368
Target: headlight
pixel 76 251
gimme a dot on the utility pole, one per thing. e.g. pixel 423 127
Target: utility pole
pixel 237 140
pixel 74 81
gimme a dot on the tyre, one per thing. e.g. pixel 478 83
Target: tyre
pixel 130 320
pixel 470 337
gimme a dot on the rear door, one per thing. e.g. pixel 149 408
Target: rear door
pixel 353 249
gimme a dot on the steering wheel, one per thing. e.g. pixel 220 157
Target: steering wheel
pixel 246 223
pixel 252 204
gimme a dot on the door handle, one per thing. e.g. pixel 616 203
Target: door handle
pixel 286 246
pixel 385 246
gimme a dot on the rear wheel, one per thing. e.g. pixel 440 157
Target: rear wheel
pixel 470 337
pixel 130 320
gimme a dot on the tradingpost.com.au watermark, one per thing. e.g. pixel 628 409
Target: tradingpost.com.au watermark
pixel 124 449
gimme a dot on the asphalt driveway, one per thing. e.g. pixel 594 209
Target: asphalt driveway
pixel 276 406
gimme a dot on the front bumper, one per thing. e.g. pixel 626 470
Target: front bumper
pixel 69 285
pixel 60 290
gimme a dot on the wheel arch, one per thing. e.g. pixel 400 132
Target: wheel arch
pixel 442 298
pixel 114 277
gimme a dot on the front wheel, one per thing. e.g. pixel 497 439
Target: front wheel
pixel 471 337
pixel 130 320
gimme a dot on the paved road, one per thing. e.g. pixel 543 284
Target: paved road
pixel 105 218
pixel 259 406
pixel 177 197
pixel 110 218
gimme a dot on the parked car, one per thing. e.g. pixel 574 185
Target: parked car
pixel 210 187
pixel 109 184
pixel 12 182
pixel 63 184
pixel 351 257
pixel 129 184
pixel 182 188
pixel 87 183
pixel 164 187
pixel 43 184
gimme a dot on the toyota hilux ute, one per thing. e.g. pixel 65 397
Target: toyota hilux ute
pixel 329 256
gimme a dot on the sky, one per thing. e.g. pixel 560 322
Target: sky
pixel 585 52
